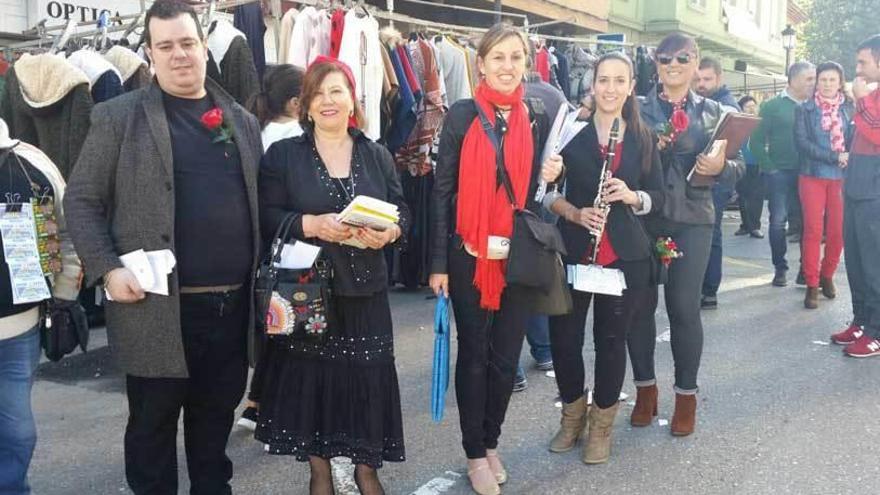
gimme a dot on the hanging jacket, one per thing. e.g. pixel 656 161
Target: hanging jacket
pixel 249 20
pixel 47 104
pixel 231 63
pixel 133 69
pixel 104 79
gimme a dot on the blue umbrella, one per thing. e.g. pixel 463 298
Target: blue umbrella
pixel 440 379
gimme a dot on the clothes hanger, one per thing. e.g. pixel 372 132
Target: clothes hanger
pixel 65 36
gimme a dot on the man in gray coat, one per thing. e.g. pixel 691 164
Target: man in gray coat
pixel 172 168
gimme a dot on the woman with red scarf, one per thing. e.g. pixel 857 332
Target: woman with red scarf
pixel 471 218
pixel 822 129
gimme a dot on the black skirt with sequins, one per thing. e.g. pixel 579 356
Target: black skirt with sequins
pixel 339 398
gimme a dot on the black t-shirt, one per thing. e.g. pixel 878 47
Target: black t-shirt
pixel 212 236
pixel 14 182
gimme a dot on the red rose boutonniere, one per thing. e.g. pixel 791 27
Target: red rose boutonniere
pixel 667 250
pixel 213 121
pixel 677 124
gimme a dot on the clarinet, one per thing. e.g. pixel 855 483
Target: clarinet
pixel 599 203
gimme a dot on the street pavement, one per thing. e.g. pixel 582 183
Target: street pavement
pixel 780 411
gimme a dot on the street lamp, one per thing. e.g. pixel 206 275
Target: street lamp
pixel 788 39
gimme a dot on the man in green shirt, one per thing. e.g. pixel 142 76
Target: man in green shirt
pixel 774 147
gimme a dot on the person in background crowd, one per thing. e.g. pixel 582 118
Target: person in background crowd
pixel 29 172
pixel 822 128
pixel 277 105
pixel 750 189
pixel 774 147
pixel 687 217
pixel 709 77
pixel 277 109
pixel 861 228
pixel 490 318
pixel 172 168
pixel 636 188
pixel 340 396
pixel 709 83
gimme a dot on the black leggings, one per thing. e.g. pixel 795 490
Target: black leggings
pixel 682 291
pixel 489 344
pixel 612 317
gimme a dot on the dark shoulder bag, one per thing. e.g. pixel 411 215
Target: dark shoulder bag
pixel 292 303
pixel 536 247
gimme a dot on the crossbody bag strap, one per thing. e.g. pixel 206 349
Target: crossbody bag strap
pixel 499 155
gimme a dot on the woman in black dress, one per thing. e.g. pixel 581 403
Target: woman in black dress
pixel 339 397
pixel 635 189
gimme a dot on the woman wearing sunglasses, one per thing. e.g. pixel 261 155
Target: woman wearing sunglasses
pixel 684 122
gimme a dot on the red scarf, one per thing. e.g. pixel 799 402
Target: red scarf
pixel 483 206
pixel 831 120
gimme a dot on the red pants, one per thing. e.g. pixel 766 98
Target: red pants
pixel 822 203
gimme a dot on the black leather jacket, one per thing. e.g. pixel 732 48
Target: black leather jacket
pixel 443 199
pixel 685 203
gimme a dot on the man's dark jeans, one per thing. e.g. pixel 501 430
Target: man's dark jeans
pixel 214 330
pixel 721 194
pixel 750 190
pixel 538 337
pixel 782 191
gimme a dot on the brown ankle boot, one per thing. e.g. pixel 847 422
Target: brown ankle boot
pixel 829 290
pixel 685 415
pixel 598 447
pixel 646 406
pixel 811 299
pixel 571 426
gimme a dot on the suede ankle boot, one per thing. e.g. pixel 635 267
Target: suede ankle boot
pixel 685 416
pixel 571 426
pixel 646 406
pixel 598 447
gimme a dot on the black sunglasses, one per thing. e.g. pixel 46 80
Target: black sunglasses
pixel 682 58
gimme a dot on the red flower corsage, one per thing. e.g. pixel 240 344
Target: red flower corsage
pixel 667 250
pixel 213 121
pixel 678 123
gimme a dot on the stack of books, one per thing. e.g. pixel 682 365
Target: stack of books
pixel 364 211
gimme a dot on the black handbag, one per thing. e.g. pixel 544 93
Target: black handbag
pixel 292 303
pixel 536 247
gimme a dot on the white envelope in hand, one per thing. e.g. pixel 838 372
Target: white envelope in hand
pixel 139 264
pixel 151 268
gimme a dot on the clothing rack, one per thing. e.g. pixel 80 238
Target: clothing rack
pixel 586 41
pixel 470 9
pixel 431 24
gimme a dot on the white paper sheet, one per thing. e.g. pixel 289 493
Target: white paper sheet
pixel 565 128
pixel 139 264
pixel 597 279
pixel 151 268
pixel 298 256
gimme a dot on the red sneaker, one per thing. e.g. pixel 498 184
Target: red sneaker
pixel 864 346
pixel 848 336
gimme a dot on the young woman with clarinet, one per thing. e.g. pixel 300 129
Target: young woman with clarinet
pixel 607 189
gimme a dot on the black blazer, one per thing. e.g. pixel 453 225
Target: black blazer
pixel 583 164
pixel 293 180
pixel 443 200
